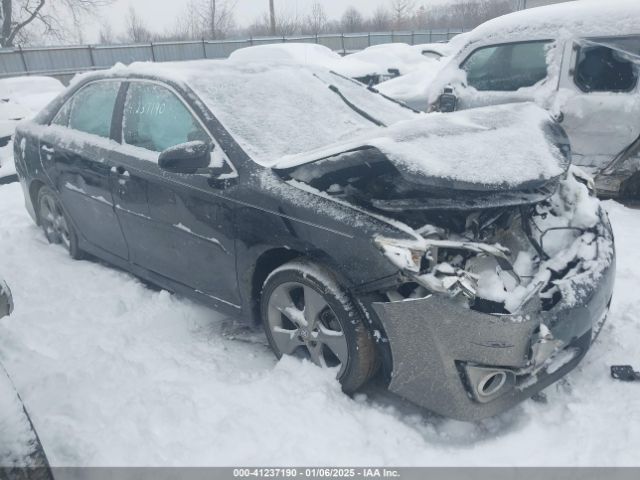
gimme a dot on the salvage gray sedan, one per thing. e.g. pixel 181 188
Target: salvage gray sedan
pixel 458 257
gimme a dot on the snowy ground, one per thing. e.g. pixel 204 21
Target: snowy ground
pixel 116 373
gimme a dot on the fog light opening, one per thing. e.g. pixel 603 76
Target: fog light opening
pixel 490 384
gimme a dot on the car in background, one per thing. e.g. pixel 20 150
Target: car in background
pixel 457 253
pixel 413 87
pixel 21 98
pixel 580 61
pixel 386 61
pixel 20 446
pixel 371 66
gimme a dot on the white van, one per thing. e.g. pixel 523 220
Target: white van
pixel 580 60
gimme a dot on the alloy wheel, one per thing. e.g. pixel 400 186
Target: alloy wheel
pixel 302 323
pixel 54 221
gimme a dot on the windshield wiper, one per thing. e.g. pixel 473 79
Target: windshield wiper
pixel 376 91
pixel 355 108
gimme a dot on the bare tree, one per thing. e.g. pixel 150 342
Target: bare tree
pixel 316 21
pixel 421 18
pixel 402 12
pixel 17 16
pixel 136 30
pixel 352 20
pixel 380 20
pixel 106 36
pixel 213 19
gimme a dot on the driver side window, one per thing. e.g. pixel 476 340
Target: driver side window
pixel 156 119
pixel 507 67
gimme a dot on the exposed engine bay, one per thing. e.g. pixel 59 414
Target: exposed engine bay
pixel 495 251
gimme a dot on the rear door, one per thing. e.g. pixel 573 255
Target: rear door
pixel 179 226
pixel 601 108
pixel 76 151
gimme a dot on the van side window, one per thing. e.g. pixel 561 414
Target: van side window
pixel 156 119
pixel 603 69
pixel 90 110
pixel 507 67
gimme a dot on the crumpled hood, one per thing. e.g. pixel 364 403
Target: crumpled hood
pixel 499 148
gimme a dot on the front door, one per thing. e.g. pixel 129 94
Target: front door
pixel 179 226
pixel 507 73
pixel 76 152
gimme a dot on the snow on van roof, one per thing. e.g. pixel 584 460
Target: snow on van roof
pixel 581 18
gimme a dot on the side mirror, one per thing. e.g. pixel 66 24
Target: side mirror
pixel 186 157
pixel 447 102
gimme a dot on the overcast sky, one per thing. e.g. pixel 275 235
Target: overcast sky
pixel 160 14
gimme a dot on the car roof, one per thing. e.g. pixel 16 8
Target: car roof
pixel 576 19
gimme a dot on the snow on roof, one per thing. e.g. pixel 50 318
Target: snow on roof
pixel 303 53
pixel 499 146
pixel 581 18
pixel 371 61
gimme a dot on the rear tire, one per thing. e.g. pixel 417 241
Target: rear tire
pixel 306 313
pixel 56 224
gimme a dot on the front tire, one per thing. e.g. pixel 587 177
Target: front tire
pixel 55 223
pixel 306 313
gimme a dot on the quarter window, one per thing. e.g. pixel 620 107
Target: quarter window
pixel 156 119
pixel 606 67
pixel 507 67
pixel 91 109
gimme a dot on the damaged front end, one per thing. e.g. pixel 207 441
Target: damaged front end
pixel 499 293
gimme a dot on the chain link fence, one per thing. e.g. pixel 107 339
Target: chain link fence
pixel 64 62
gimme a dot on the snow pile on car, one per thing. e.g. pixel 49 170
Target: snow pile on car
pixel 381 58
pixel 501 146
pixel 584 18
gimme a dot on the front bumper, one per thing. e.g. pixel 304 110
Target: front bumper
pixel 437 346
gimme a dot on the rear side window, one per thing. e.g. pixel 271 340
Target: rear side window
pixel 507 67
pixel 607 67
pixel 91 109
pixel 156 119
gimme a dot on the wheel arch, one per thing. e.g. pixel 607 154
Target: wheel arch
pixel 273 258
pixel 34 189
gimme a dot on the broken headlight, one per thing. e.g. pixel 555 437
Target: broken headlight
pixel 406 255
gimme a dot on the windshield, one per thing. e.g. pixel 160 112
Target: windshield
pixel 279 110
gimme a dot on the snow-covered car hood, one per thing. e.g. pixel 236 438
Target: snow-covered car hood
pixel 498 148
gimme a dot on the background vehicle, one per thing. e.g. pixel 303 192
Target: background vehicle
pixel 21 98
pixel 579 60
pixel 319 208
pixel 370 66
pixel 19 444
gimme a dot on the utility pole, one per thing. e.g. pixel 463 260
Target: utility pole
pixel 212 27
pixel 272 15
